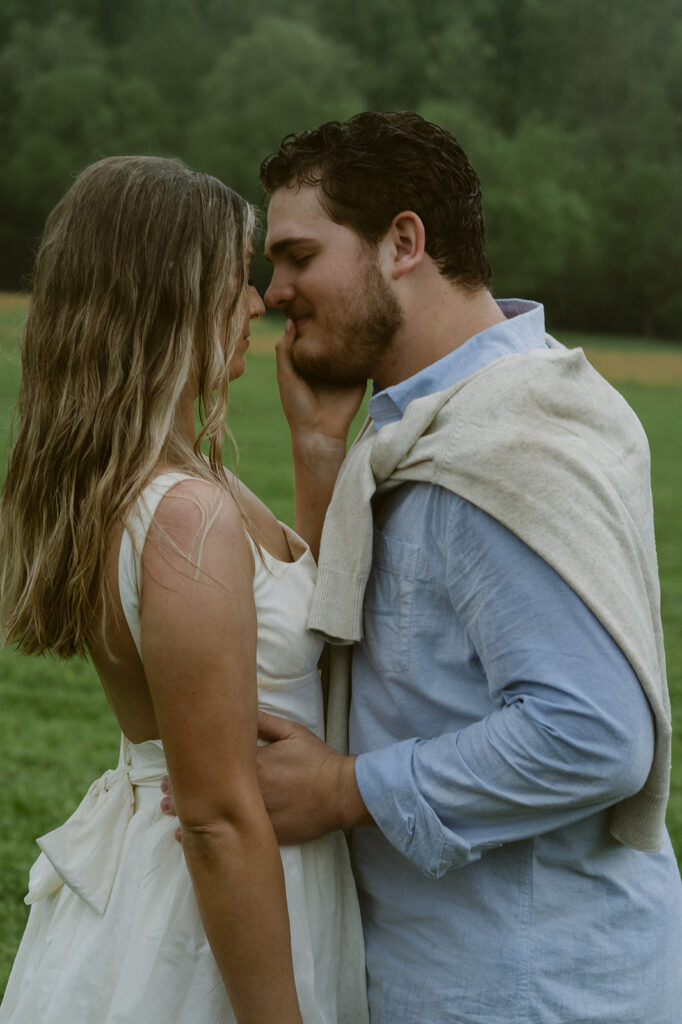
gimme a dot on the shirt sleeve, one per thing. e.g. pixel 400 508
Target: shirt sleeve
pixel 571 731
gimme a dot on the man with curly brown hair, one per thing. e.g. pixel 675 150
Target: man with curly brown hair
pixel 488 571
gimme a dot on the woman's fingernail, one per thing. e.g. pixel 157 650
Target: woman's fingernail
pixel 289 324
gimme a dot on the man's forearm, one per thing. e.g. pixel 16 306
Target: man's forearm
pixel 351 809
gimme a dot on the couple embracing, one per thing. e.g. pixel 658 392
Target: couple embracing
pixel 498 724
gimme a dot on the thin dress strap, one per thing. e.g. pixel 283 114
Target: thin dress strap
pixel 132 543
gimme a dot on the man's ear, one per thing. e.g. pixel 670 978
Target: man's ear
pixel 406 237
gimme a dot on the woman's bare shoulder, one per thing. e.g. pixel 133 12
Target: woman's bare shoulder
pixel 197 523
pixel 195 503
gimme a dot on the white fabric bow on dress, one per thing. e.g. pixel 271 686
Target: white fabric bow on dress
pixel 84 852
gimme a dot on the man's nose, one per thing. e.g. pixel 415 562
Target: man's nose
pixel 279 292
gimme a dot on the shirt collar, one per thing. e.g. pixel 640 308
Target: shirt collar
pixel 522 331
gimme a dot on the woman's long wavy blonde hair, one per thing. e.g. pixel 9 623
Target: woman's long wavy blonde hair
pixel 139 291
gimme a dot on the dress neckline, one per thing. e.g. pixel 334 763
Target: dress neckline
pixel 298 548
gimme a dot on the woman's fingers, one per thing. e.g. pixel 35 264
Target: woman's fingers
pixel 283 346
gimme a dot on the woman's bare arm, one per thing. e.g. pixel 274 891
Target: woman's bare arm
pixel 199 654
pixel 319 416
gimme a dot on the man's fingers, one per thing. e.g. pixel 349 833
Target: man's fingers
pixel 167 805
pixel 271 728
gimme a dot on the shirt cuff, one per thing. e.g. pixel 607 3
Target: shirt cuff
pixel 385 779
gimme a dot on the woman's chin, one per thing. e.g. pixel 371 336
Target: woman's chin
pixel 237 368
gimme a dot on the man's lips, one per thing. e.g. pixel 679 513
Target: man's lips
pixel 301 321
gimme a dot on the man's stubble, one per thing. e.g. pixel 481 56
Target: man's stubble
pixel 357 337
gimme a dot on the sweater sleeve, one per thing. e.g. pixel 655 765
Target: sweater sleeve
pixel 570 731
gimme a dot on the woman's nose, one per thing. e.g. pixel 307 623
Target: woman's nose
pixel 256 304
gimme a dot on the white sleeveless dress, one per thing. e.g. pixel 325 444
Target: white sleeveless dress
pixel 114 934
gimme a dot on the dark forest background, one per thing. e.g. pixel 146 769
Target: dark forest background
pixel 571 111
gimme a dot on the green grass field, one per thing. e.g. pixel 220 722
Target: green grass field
pixel 56 731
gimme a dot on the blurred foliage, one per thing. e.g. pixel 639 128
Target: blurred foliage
pixel 571 112
pixel 281 73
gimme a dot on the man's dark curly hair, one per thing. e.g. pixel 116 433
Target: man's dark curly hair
pixel 374 165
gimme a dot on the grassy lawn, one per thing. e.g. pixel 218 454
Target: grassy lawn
pixel 56 731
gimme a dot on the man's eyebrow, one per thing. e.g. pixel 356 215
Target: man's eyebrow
pixel 277 248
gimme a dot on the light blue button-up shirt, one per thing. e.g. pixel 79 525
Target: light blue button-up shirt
pixel 496 722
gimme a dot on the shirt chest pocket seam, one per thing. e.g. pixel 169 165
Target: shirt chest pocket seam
pixel 389 600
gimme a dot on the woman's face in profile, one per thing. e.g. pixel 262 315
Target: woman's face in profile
pixel 255 308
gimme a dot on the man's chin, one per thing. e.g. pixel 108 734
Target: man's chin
pixel 322 369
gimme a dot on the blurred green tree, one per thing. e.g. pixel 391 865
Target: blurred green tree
pixel 572 113
pixel 612 81
pixel 282 77
pixel 67 109
pixel 171 46
pixel 538 222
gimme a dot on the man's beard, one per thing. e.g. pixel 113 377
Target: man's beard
pixel 354 340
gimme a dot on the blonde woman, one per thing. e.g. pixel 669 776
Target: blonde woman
pixel 121 540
